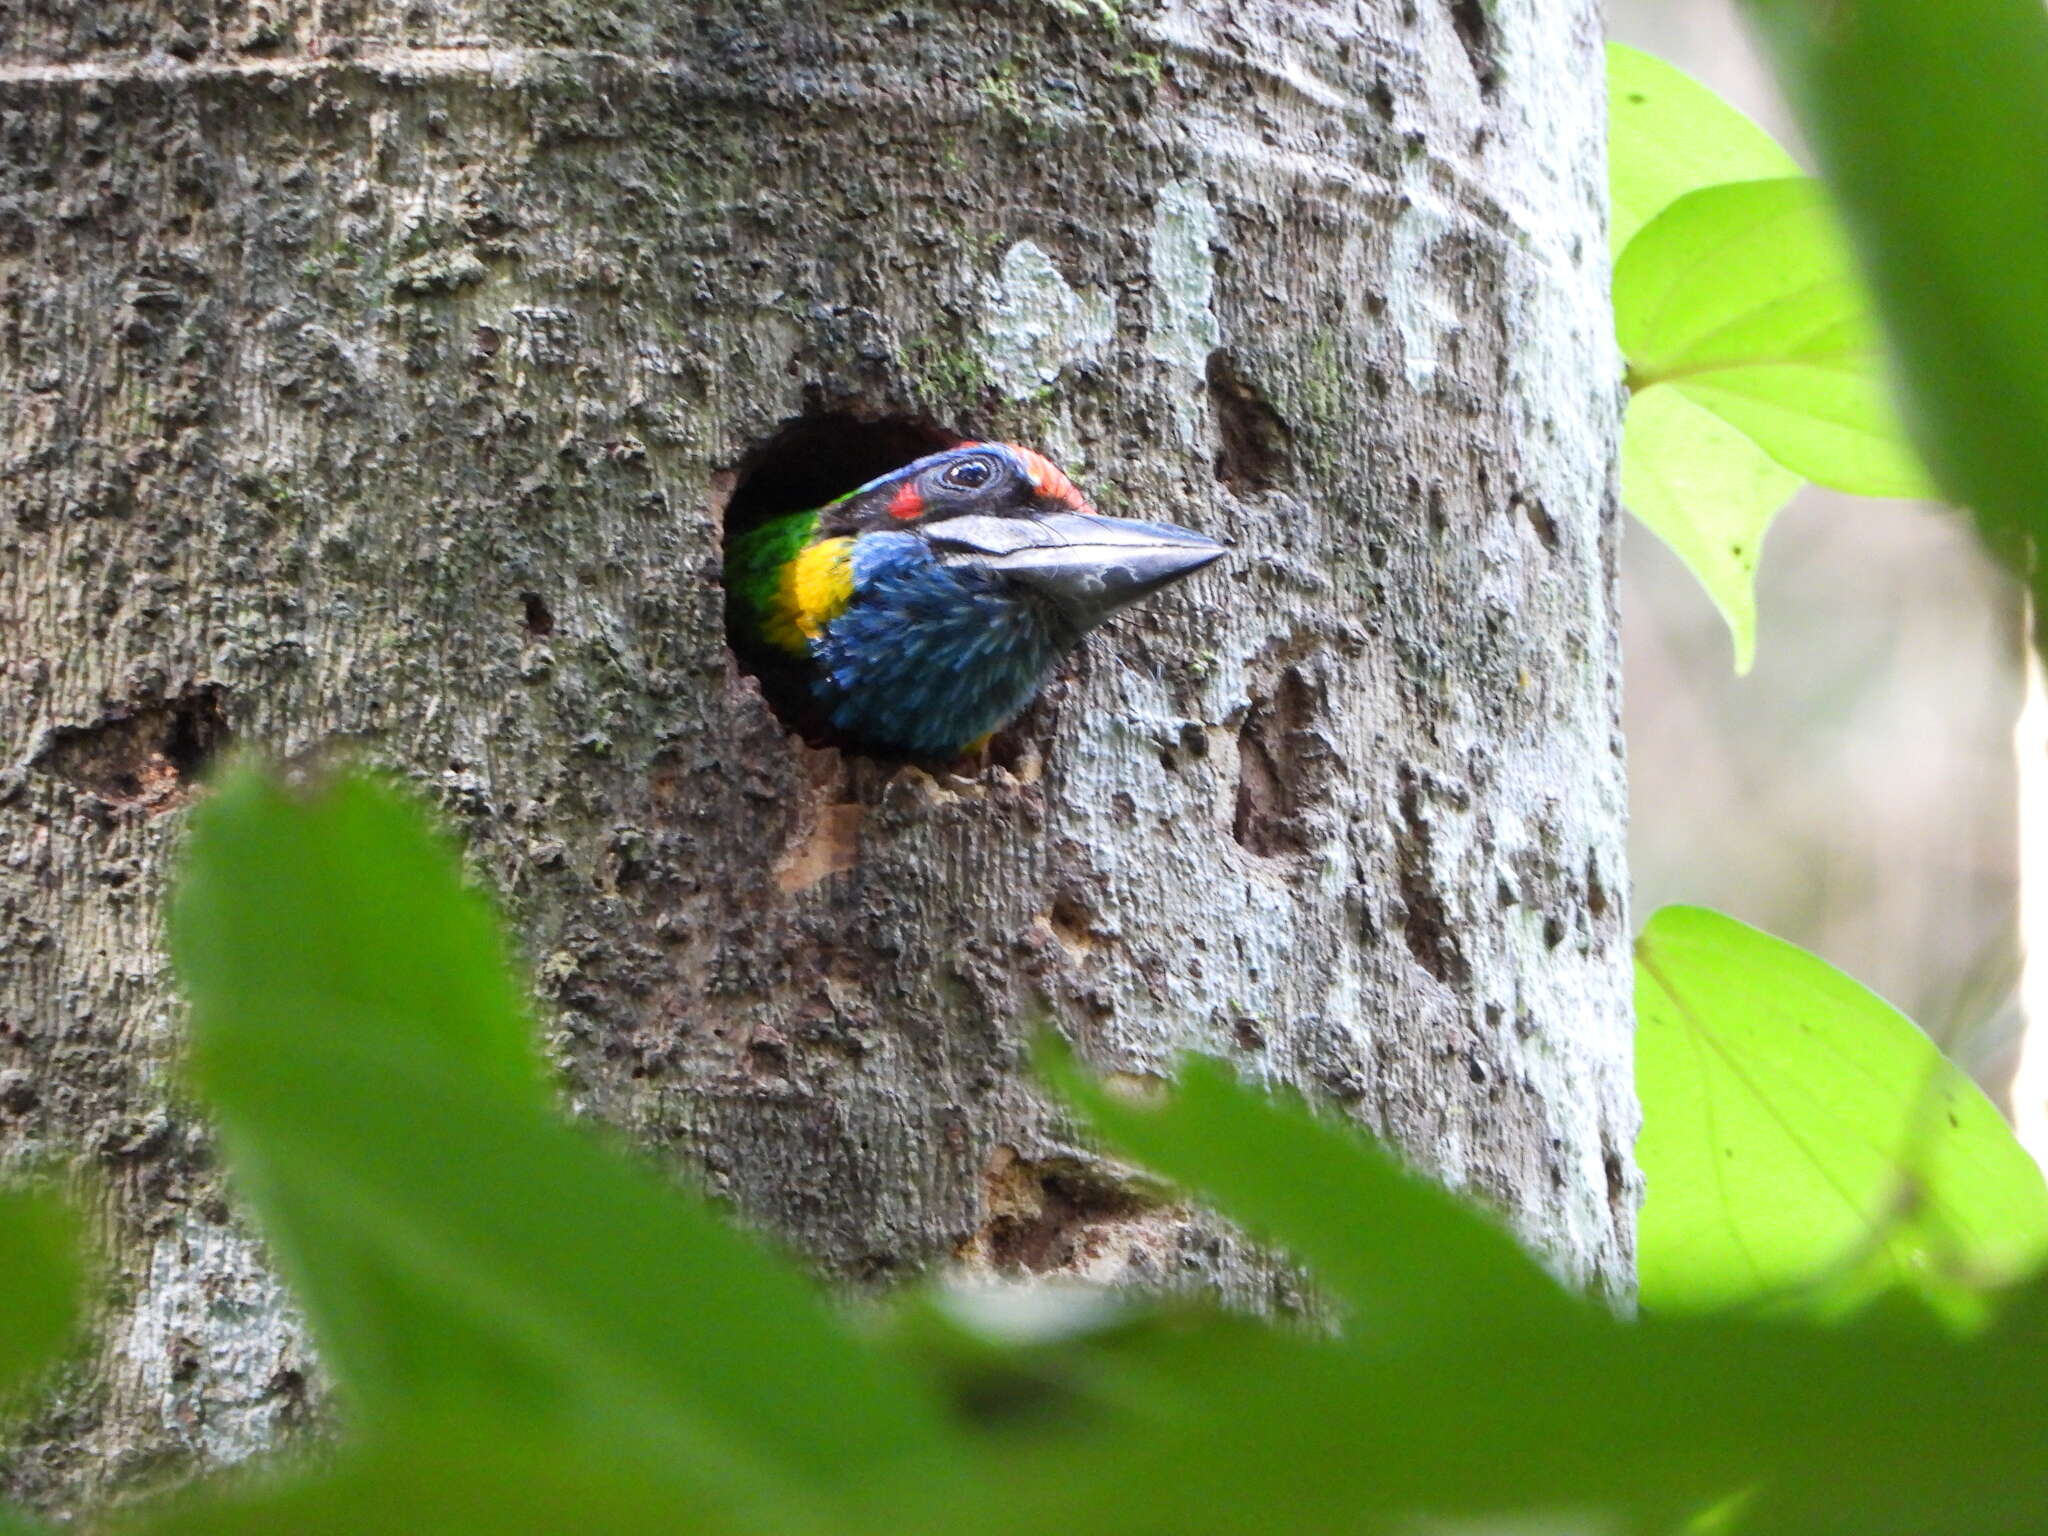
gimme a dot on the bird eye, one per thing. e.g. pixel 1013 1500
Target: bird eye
pixel 970 474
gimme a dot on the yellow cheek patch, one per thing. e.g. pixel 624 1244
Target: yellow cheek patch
pixel 814 590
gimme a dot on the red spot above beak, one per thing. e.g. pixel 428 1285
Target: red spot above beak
pixel 908 502
pixel 1049 481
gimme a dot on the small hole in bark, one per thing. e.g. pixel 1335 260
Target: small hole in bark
pixel 1428 925
pixel 1596 889
pixel 1257 444
pixel 539 619
pixel 1540 520
pixel 285 1382
pixel 1475 31
pixel 768 1052
pixel 1273 776
pixel 1073 924
pixel 146 755
pixel 17 1092
pixel 1617 1175
pixel 808 462
pixel 1014 748
pixel 1044 1217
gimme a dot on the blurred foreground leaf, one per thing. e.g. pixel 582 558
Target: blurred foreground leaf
pixel 1668 135
pixel 40 1280
pixel 1799 1134
pixel 1539 1408
pixel 1930 121
pixel 458 1476
pixel 358 1033
pixel 536 1337
pixel 1430 1261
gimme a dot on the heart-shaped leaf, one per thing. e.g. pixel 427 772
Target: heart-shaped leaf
pixel 1800 1133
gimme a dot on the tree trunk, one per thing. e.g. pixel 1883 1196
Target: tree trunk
pixel 380 377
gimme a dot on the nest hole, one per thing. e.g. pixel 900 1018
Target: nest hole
pixel 805 464
pixel 809 461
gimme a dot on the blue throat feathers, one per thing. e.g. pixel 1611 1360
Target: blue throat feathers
pixel 929 658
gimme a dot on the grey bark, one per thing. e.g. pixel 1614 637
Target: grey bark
pixel 379 375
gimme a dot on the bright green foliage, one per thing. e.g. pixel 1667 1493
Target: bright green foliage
pixel 533 1336
pixel 1741 298
pixel 1708 492
pixel 40 1284
pixel 1283 1174
pixel 459 1249
pixel 1733 290
pixel 465 1475
pixel 1802 1141
pixel 1669 135
pixel 39 1281
pixel 1930 119
pixel 1531 1405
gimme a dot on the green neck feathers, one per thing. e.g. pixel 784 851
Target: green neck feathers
pixel 753 568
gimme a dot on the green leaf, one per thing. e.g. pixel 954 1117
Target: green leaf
pixel 1521 1415
pixel 1710 493
pixel 1742 298
pixel 340 914
pixel 1426 1260
pixel 40 1279
pixel 1798 1132
pixel 1668 135
pixel 453 1242
pixel 461 1475
pixel 1930 122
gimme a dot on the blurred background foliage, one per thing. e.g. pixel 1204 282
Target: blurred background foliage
pixel 1856 792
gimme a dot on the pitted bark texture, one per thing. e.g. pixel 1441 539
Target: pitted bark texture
pixel 376 376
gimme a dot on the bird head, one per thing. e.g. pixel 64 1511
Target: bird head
pixel 1010 513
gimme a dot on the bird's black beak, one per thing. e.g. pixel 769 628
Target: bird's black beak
pixel 1087 564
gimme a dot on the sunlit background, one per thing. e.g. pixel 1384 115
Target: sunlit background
pixel 1856 792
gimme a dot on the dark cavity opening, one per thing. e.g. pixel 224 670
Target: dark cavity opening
pixel 1474 27
pixel 1271 816
pixel 537 616
pixel 147 755
pixel 1257 446
pixel 806 463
